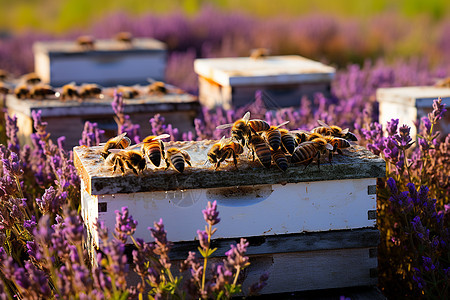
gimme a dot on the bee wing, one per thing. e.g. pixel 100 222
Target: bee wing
pixel 116 151
pixel 282 124
pixel 329 146
pixel 246 117
pixel 151 80
pixel 133 146
pixel 161 136
pixel 224 126
pixel 300 131
pixel 345 131
pixel 322 123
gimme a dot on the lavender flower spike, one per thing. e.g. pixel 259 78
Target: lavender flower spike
pixel 438 111
pixel 210 214
pixel 125 225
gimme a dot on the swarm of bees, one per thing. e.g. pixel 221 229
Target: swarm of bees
pixel 272 144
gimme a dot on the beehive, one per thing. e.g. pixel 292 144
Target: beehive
pixel 410 104
pixel 109 63
pixel 283 80
pixel 310 229
pixel 67 118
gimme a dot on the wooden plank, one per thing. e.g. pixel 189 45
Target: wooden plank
pixel 353 293
pixel 356 163
pixel 245 71
pixel 287 243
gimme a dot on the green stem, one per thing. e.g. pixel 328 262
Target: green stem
pixel 205 261
pixel 237 275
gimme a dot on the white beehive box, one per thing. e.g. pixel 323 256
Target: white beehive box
pixel 410 104
pixel 284 80
pixel 67 118
pixel 110 63
pixel 311 229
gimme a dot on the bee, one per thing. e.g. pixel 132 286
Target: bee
pixel 279 158
pixel 41 91
pixel 445 82
pixel 3 75
pixel 22 92
pixel 128 92
pixel 125 37
pixel 157 88
pixel 4 88
pixel 307 151
pixel 259 53
pixel 86 42
pixel 333 130
pixel 287 141
pixel 31 78
pixel 177 159
pixel 90 90
pixel 273 136
pixel 153 148
pixel 126 158
pixel 69 91
pixel 259 147
pixel 223 150
pixel 118 142
pixel 242 129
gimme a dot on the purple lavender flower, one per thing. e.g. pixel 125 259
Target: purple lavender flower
pixel 203 238
pixel 392 184
pixel 40 126
pixel 235 256
pixel 428 264
pixel 418 279
pixel 258 286
pixel 392 126
pixel 102 230
pixel 222 276
pixel 73 227
pixel 426 123
pixel 211 214
pixel 11 133
pixel 438 111
pixel 125 225
pixel 158 233
pixel 117 104
pixel 91 135
pixel 403 139
pixel 12 165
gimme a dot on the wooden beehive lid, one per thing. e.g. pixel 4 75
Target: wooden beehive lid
pixel 419 96
pixel 271 70
pixel 99 180
pixel 64 48
pixel 95 106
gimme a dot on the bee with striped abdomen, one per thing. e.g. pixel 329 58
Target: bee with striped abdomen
pixel 333 130
pixel 118 142
pixel 69 91
pixel 153 148
pixel 177 159
pixel 261 149
pixel 307 151
pixel 128 92
pixel 287 141
pixel 22 92
pixel 273 136
pixel 243 129
pixel 279 158
pixel 223 150
pixel 41 91
pixel 126 159
pixel 90 90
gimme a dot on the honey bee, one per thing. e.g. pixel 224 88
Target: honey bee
pixel 22 92
pixel 118 142
pixel 69 91
pixel 153 148
pixel 279 158
pixel 177 159
pixel 4 88
pixel 128 92
pixel 223 150
pixel 242 129
pixel 41 91
pixel 259 147
pixel 259 53
pixel 333 130
pixel 86 42
pixel 3 75
pixel 90 90
pixel 157 88
pixel 307 151
pixel 287 141
pixel 124 36
pixel 31 78
pixel 273 136
pixel 126 158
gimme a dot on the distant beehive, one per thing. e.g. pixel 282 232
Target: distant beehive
pixel 310 229
pixel 67 118
pixel 105 62
pixel 410 104
pixel 284 80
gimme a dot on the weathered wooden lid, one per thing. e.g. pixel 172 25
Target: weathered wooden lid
pixel 270 70
pixel 419 96
pixel 95 106
pixel 99 180
pixel 111 46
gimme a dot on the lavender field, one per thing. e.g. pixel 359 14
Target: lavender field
pixel 41 233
